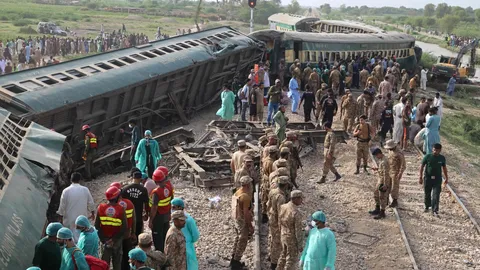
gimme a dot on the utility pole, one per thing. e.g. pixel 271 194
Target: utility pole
pixel 251 20
pixel 251 4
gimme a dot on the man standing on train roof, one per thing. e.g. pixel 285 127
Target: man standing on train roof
pixel 431 178
pixel 135 138
pixel 148 154
pixel 89 152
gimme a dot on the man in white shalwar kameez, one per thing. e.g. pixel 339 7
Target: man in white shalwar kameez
pixel 397 120
pixel 76 200
pixel 438 102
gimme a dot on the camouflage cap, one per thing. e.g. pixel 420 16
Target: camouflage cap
pixel 283 179
pixel 282 171
pixel 178 215
pixel 247 158
pixel 273 149
pixel 251 152
pixel 402 91
pixel 241 143
pixel 263 138
pixel 288 144
pixel 296 194
pixel 272 136
pixel 290 133
pixel 245 180
pixel 284 150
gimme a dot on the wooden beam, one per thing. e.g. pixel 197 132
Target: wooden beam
pixel 200 171
pixel 176 104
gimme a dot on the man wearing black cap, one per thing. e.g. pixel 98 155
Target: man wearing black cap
pixel 329 108
pixel 328 153
pixel 138 195
pixel 382 189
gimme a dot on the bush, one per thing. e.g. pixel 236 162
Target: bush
pixel 92 5
pixel 4 18
pixel 22 22
pixel 428 60
pixel 27 30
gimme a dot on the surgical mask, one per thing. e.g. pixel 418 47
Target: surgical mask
pixel 313 223
pixel 133 267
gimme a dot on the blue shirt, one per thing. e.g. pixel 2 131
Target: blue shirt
pixel 293 85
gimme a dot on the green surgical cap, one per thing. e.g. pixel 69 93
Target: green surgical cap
pixel 320 216
pixel 178 202
pixel 53 228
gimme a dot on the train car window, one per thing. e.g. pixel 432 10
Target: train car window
pixel 127 60
pixel 183 45
pixel 158 52
pixel 214 39
pixel 166 49
pixel 147 54
pixel 103 66
pixel 176 48
pixel 32 85
pixel 138 57
pixel 90 69
pixel 75 73
pixel 221 36
pixel 206 41
pixel 307 56
pixel 47 80
pixel 314 56
pixel 14 88
pixel 191 43
pixel 116 63
pixel 61 77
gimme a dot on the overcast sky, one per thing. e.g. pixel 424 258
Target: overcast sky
pixel 380 3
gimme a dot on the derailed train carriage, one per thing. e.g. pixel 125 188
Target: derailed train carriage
pixel 30 160
pixel 315 47
pixel 156 84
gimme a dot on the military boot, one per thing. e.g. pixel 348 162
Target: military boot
pixel 376 211
pixel 273 266
pixel 381 215
pixel 337 177
pixel 394 203
pixel 322 180
pixel 365 169
pixel 358 170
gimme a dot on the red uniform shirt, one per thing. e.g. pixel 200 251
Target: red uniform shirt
pixel 164 196
pixel 129 208
pixel 110 218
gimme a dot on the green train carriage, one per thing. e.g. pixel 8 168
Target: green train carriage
pixel 315 47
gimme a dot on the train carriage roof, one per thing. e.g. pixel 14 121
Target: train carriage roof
pixel 352 24
pixel 172 54
pixel 290 19
pixel 394 37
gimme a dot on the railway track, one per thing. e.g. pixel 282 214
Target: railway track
pixel 446 242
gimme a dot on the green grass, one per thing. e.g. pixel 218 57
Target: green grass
pixel 84 21
pixel 462 130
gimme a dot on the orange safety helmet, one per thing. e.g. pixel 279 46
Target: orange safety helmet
pixel 112 193
pixel 163 169
pixel 158 176
pixel 116 184
pixel 85 127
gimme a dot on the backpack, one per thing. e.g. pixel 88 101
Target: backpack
pixel 93 262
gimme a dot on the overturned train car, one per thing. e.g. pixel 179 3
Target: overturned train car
pixel 30 179
pixel 156 84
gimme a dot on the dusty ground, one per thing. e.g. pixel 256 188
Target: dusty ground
pixel 376 244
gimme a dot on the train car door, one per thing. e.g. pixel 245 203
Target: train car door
pixel 297 48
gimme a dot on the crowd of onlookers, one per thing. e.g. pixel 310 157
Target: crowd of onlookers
pixel 456 41
pixel 23 53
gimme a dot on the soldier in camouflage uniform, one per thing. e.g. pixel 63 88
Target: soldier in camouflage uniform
pixel 378 72
pixel 396 161
pixel 363 78
pixel 376 111
pixel 329 154
pixel 155 258
pixel 276 198
pixel 242 215
pixel 382 188
pixel 404 80
pixel 272 141
pixel 175 245
pixel 373 80
pixel 314 80
pixel 267 169
pixel 363 132
pixel 247 169
pixel 318 100
pixel 349 107
pixel 291 231
pixel 281 171
pixel 292 162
